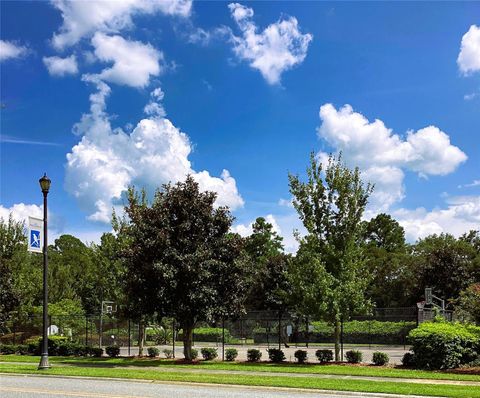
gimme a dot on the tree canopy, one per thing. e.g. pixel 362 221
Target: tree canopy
pixel 329 274
pixel 181 260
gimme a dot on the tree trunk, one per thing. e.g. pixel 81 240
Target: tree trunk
pixel 337 341
pixel 141 336
pixel 187 341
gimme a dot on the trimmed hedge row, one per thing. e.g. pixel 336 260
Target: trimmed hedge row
pixel 57 346
pixel 354 332
pixel 208 335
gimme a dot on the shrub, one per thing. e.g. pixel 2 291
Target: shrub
pixel 442 345
pixel 153 352
pixel 113 351
pixel 231 354
pixel 22 349
pixel 159 335
pixel 324 355
pixel 253 355
pixel 301 356
pixel 8 349
pixel 54 343
pixel 209 353
pixel 194 353
pixel 168 353
pixel 68 348
pixel 276 355
pixel 96 352
pixel 380 358
pixel 408 359
pixel 354 356
pixel 33 347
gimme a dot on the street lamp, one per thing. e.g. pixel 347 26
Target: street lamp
pixel 45 185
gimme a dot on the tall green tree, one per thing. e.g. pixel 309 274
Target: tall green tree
pixel 388 263
pixel 109 274
pixel 329 275
pixel 267 281
pixel 384 232
pixel 181 261
pixel 12 249
pixel 71 270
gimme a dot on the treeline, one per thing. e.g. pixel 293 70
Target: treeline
pixel 176 257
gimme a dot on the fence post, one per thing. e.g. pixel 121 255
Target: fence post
pixel 369 334
pixel 341 337
pixel 307 331
pixel 223 338
pixel 279 330
pixel 173 337
pixel 101 330
pixel 268 333
pixel 129 338
pixel 241 331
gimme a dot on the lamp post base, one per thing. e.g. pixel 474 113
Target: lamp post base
pixel 44 362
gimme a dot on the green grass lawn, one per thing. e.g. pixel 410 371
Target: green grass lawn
pixel 257 367
pixel 454 391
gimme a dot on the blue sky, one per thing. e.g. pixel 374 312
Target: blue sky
pixel 101 95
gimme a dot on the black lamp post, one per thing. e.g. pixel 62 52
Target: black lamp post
pixel 45 185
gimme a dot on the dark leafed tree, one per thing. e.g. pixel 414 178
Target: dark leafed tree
pixel 384 232
pixel 446 264
pixel 267 267
pixel 329 276
pixel 264 242
pixel 387 261
pixel 181 261
pixel 71 271
pixel 109 273
pixel 467 307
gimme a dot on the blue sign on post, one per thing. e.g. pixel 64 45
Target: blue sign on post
pixel 35 226
pixel 35 239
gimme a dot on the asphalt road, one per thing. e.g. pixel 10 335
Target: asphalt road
pixel 55 387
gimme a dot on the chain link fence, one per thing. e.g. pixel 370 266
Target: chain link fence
pixel 385 326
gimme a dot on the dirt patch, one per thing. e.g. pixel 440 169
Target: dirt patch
pixel 466 371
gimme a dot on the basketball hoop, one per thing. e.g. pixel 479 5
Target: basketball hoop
pixel 108 307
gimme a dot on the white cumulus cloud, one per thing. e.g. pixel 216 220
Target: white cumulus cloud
pixel 382 155
pixel 461 215
pixel 58 66
pixel 20 212
pixel 106 161
pixel 10 50
pixel 84 18
pixel 278 48
pixel 469 57
pixel 133 62
pixel 247 229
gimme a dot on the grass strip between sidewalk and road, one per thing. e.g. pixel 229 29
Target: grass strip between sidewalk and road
pixel 340 370
pixel 455 391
